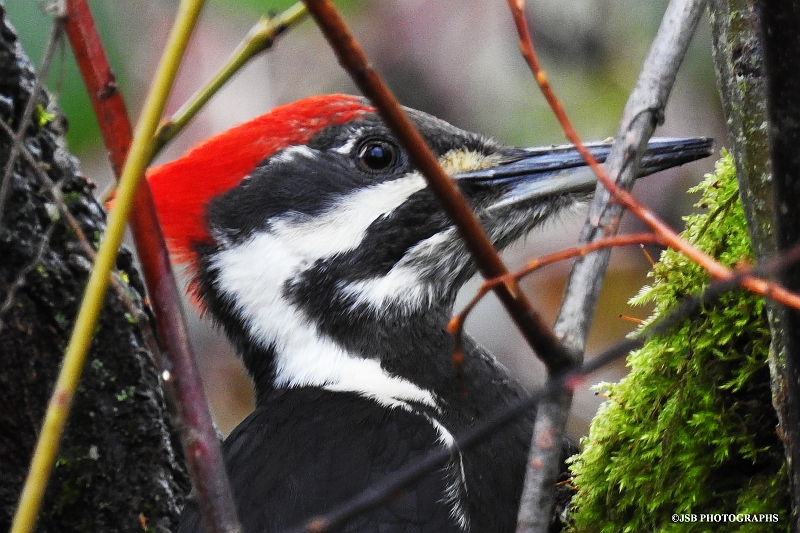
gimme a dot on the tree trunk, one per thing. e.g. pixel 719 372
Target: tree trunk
pixel 756 57
pixel 119 467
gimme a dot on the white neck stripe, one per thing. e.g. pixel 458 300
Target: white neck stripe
pixel 252 274
pixel 407 285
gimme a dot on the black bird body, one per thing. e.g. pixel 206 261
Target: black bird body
pixel 344 443
pixel 325 448
pixel 315 448
pixel 318 248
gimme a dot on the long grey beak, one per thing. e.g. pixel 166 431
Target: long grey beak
pixel 532 173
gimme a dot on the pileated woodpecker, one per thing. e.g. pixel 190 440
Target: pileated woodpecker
pixel 320 251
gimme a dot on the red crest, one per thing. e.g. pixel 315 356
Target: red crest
pixel 182 188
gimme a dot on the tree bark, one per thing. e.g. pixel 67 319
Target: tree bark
pixel 119 467
pixel 755 56
pixel 781 44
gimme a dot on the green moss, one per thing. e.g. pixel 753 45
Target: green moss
pixel 126 394
pixel 691 430
pixel 71 198
pixel 62 321
pixel 42 116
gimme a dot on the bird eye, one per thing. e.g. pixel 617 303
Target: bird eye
pixel 377 155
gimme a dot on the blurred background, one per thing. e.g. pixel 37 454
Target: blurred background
pixel 457 60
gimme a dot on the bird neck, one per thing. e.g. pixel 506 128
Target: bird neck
pixel 309 327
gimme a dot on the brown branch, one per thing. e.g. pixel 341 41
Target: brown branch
pixel 588 248
pixel 536 332
pixel 203 453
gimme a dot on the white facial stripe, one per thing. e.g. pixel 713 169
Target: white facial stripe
pixel 400 285
pixel 405 284
pixel 252 274
pixel 435 244
pixel 342 228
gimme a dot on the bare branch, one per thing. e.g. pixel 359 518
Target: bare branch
pixel 643 111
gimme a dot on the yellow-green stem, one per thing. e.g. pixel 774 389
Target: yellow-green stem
pixel 261 37
pixel 75 355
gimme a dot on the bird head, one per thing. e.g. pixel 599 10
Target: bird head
pixel 310 235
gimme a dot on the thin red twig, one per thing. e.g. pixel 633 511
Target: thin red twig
pixel 623 197
pixel 528 52
pixel 107 103
pixel 203 454
pixel 456 325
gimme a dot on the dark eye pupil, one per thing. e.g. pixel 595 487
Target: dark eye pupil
pixel 377 155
